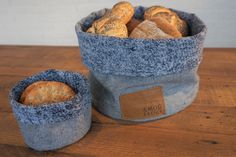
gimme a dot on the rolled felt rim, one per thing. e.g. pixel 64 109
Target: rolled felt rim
pixel 141 57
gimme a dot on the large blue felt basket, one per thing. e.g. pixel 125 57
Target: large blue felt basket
pixel 122 66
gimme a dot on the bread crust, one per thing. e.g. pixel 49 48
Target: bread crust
pixel 98 24
pixel 114 28
pixel 183 28
pixel 170 16
pixel 45 92
pixel 132 24
pixel 113 23
pixel 166 27
pixel 149 30
pixel 152 11
pixel 122 11
pixel 108 27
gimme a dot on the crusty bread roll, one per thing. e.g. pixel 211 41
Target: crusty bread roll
pixel 113 23
pixel 122 11
pixel 149 30
pixel 109 27
pixel 45 92
pixel 133 23
pixel 154 10
pixel 91 30
pixel 170 16
pixel 166 27
pixel 183 28
pixel 114 28
pixel 98 24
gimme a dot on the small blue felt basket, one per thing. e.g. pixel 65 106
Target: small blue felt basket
pixel 52 126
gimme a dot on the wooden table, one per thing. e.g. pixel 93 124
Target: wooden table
pixel 206 128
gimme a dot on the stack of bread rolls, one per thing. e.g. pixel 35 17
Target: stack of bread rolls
pixel 159 23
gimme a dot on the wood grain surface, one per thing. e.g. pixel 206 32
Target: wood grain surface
pixel 206 128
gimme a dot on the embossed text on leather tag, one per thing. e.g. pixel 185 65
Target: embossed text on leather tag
pixel 142 104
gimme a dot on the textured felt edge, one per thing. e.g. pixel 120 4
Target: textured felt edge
pixel 56 112
pixel 141 57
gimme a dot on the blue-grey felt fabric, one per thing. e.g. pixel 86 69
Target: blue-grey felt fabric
pixel 141 57
pixel 179 90
pixel 52 126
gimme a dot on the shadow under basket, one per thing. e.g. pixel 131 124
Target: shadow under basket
pixel 142 79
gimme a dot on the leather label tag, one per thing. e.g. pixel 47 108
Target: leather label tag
pixel 142 104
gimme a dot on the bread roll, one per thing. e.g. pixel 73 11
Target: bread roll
pixel 166 27
pixel 113 23
pixel 183 28
pixel 115 29
pixel 122 11
pixel 45 92
pixel 170 16
pixel 149 30
pixel 109 27
pixel 91 30
pixel 98 24
pixel 154 10
pixel 132 24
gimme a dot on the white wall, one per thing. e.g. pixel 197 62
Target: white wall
pixel 51 22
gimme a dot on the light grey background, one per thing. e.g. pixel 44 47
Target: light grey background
pixel 51 22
